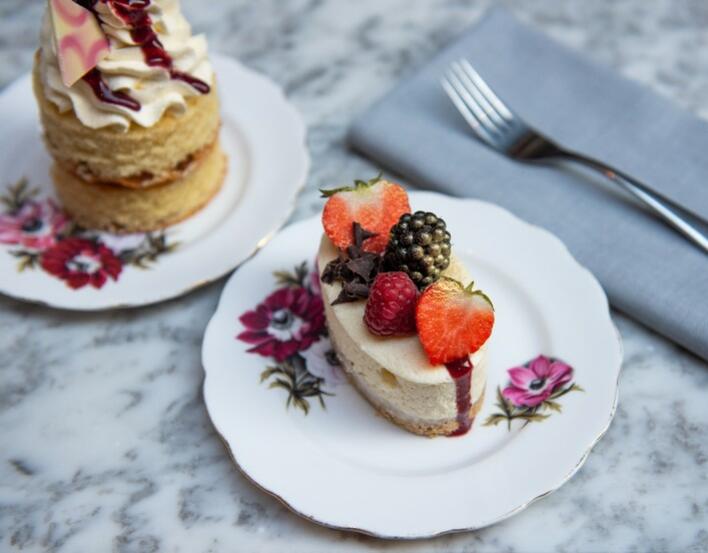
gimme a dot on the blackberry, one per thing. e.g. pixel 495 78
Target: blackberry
pixel 419 245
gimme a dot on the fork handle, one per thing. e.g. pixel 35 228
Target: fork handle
pixel 651 199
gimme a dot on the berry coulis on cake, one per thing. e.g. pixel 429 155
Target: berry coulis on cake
pixel 403 314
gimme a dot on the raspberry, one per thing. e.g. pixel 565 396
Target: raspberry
pixel 390 309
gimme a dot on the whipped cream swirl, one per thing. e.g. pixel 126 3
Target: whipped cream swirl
pixel 125 69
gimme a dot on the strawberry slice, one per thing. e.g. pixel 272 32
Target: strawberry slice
pixel 376 205
pixel 453 321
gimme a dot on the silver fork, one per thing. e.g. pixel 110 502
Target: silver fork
pixel 503 130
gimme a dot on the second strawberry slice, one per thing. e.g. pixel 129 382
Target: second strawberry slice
pixel 453 321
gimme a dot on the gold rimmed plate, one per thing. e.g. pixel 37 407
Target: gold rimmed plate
pixel 298 431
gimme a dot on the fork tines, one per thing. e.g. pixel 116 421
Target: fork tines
pixel 479 105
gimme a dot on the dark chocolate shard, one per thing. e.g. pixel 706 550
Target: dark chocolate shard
pixel 361 234
pixel 352 291
pixel 331 272
pixel 363 266
pixel 355 268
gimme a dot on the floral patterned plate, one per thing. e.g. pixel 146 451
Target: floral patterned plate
pixel 46 258
pixel 298 430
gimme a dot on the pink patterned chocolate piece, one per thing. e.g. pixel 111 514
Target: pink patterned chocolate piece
pixel 80 41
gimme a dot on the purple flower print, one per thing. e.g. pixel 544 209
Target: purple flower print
pixel 534 383
pixel 533 391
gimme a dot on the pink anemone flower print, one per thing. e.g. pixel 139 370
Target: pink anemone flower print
pixel 533 391
pixel 533 384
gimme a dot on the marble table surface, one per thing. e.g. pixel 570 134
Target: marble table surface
pixel 106 444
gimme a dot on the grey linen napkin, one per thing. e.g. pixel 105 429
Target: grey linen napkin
pixel 648 270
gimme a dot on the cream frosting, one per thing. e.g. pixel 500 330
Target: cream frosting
pixel 125 69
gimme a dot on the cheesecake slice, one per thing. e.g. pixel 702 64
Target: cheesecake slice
pixel 394 373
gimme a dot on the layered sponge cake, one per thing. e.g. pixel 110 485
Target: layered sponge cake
pixel 409 327
pixel 135 142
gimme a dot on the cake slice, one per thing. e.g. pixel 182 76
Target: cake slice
pixel 393 373
pixel 429 381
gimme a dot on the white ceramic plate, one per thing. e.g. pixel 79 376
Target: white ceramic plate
pixel 264 138
pixel 343 466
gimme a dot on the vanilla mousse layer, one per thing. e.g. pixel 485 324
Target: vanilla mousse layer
pixel 393 373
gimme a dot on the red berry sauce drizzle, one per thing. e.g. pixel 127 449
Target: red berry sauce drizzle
pixel 104 93
pixel 134 14
pixel 461 373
